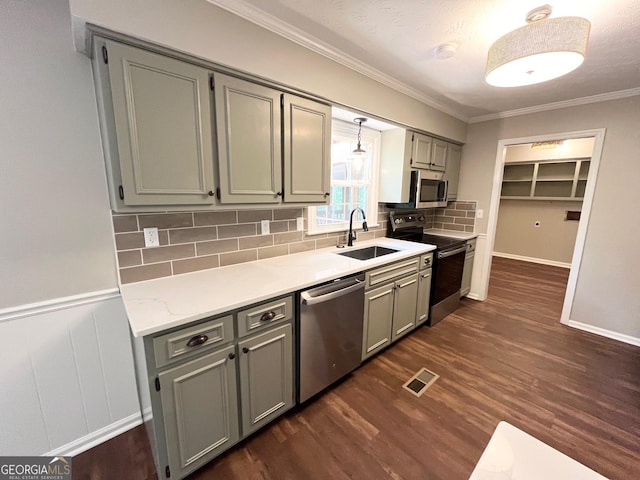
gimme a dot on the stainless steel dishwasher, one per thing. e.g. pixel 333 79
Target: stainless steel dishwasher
pixel 330 328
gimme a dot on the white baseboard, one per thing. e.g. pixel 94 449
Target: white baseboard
pixel 542 261
pixel 472 296
pixel 621 337
pixel 95 438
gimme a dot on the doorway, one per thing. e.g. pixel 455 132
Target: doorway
pixel 589 188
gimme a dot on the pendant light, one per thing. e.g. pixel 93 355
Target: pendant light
pixel 544 49
pixel 359 150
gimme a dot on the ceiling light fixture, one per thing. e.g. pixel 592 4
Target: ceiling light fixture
pixel 359 150
pixel 544 49
pixel 445 50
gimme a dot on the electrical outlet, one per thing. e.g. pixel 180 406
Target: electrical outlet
pixel 300 224
pixel 479 213
pixel 151 238
pixel 264 227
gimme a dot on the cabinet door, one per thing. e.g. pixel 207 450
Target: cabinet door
pixel 266 377
pixel 378 314
pixel 200 410
pixel 452 173
pixel 307 150
pixel 162 114
pixel 424 293
pixel 248 122
pixel 421 153
pixel 465 288
pixel 404 306
pixel 438 155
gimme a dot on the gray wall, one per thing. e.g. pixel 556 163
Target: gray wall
pixel 66 368
pixel 552 241
pixel 204 30
pixel 56 226
pixel 606 291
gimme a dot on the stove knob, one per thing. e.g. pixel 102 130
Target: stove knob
pixel 421 218
pixel 398 221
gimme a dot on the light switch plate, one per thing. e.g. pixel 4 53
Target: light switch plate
pixel 479 213
pixel 300 224
pixel 264 227
pixel 151 238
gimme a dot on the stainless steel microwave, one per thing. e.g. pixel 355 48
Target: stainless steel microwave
pixel 424 192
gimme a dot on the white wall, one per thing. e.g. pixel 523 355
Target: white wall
pixel 209 32
pixel 66 364
pixel 606 292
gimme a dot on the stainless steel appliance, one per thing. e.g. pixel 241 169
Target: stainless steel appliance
pixel 448 262
pixel 427 190
pixel 330 327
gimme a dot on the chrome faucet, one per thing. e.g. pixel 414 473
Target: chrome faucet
pixel 352 234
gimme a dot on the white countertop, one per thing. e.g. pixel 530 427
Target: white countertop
pixel 159 304
pixel 450 233
pixel 514 454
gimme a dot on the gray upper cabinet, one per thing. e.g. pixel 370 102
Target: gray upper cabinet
pixel 266 376
pixel 452 173
pixel 422 151
pixel 307 150
pixel 248 119
pixel 438 155
pixel 199 410
pixel 161 111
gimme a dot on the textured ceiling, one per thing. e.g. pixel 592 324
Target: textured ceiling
pixel 397 38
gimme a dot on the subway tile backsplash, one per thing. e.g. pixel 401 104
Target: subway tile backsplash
pixel 191 241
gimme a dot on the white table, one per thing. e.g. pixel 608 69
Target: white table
pixel 514 454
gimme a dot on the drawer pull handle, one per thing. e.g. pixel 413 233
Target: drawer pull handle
pixel 245 349
pixel 197 340
pixel 268 316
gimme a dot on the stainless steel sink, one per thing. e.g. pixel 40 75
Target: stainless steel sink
pixel 368 253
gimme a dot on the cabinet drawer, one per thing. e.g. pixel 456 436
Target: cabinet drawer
pixel 189 341
pixel 426 261
pixel 260 316
pixel 391 272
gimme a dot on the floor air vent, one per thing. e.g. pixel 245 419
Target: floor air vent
pixel 419 383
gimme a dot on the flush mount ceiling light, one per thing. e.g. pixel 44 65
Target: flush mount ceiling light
pixel 359 150
pixel 544 49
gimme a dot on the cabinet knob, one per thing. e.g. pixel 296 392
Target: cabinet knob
pixel 326 194
pixel 268 316
pixel 245 349
pixel 197 340
pixel 232 356
pixel 279 194
pixel 211 194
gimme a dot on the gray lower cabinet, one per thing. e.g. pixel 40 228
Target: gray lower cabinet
pixel 391 296
pixel 378 316
pixel 205 386
pixel 199 410
pixel 156 112
pixel 266 377
pixel 404 306
pixel 424 294
pixel 467 271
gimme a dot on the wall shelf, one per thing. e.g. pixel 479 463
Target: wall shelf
pixel 546 180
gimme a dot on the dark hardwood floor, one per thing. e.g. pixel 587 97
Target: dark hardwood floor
pixel 507 358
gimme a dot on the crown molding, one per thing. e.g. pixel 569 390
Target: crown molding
pixel 299 36
pixel 603 97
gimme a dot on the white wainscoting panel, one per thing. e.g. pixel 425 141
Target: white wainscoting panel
pixel 67 377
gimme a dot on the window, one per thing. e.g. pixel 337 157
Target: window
pixel 354 180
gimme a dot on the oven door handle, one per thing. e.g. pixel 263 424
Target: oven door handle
pixel 452 252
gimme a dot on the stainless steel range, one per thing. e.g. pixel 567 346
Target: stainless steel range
pixel 447 266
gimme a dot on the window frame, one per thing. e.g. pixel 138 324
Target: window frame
pixel 349 132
